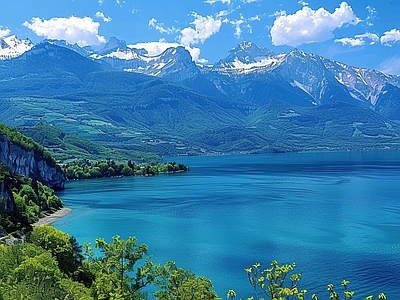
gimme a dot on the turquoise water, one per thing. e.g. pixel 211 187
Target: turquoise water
pixel 337 215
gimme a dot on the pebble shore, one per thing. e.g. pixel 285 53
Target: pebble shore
pixel 53 217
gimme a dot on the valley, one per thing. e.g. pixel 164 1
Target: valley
pixel 253 101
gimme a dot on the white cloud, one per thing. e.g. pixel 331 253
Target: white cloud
pixel 224 13
pixel 278 14
pixel 101 15
pixel 309 26
pixel 204 28
pixel 249 1
pixel 160 27
pixel 100 2
pixel 214 1
pixel 4 32
pixel 248 26
pixel 240 22
pixel 255 18
pixel 371 15
pixel 352 42
pixel 368 35
pixel 303 3
pixel 83 31
pixel 156 48
pixel 390 37
pixel 202 61
pixel 359 39
pixel 238 30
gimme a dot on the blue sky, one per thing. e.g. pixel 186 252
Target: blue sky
pixel 360 33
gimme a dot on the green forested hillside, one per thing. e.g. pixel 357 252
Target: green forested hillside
pixel 67 147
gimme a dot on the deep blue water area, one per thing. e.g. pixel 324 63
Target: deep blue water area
pixel 337 215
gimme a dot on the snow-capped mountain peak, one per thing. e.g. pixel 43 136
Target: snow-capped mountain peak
pixel 11 47
pixel 244 56
pixel 174 63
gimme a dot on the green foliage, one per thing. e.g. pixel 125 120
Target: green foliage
pixel 32 201
pixel 272 282
pixel 279 283
pixel 59 244
pixel 15 137
pixel 28 271
pixel 85 169
pixel 119 270
pixel 177 283
pixel 66 146
pixel 117 274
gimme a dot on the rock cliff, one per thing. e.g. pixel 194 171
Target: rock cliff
pixel 30 163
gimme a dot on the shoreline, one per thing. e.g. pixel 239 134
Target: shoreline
pixel 47 220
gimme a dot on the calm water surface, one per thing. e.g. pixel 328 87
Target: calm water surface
pixel 337 215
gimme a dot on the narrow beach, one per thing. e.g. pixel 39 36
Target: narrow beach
pixel 53 217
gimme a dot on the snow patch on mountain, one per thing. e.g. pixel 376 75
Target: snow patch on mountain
pixel 11 47
pixel 364 84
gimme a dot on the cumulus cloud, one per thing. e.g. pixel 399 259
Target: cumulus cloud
pixel 390 37
pixel 160 27
pixel 309 26
pixel 4 32
pixel 101 15
pixel 204 28
pixel 83 31
pixel 359 39
pixel 156 48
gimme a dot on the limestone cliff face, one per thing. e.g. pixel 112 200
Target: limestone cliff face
pixel 30 163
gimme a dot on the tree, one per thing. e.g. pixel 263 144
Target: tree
pixel 273 283
pixel 177 283
pixel 118 261
pixel 28 271
pixel 60 246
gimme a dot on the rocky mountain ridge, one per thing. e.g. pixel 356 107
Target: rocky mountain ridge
pixel 295 103
pixel 319 79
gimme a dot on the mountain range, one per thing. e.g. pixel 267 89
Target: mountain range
pixel 253 100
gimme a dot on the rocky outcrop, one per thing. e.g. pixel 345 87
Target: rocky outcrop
pixel 30 163
pixel 5 193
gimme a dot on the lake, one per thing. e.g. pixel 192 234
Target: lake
pixel 337 215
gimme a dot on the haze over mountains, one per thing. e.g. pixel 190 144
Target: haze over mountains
pixel 251 101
